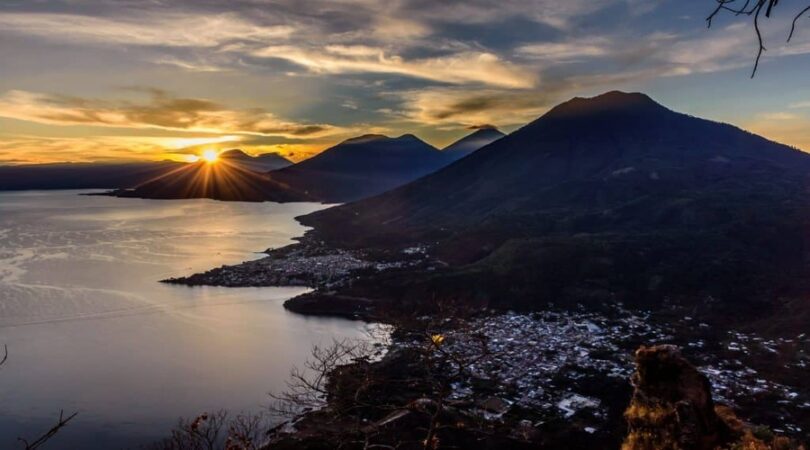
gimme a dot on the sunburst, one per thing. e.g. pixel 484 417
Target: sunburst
pixel 210 156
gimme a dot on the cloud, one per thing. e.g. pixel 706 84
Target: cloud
pixel 25 149
pixel 551 12
pixel 467 109
pixel 459 68
pixel 388 28
pixel 658 56
pixel 450 64
pixel 410 38
pixel 350 104
pixel 168 29
pixel 190 65
pixel 713 52
pixel 161 110
pixel 39 150
pixel 622 61
pixel 568 51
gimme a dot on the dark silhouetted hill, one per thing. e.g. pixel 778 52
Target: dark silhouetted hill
pixel 362 166
pixel 222 180
pixel 356 168
pixel 82 175
pixel 607 198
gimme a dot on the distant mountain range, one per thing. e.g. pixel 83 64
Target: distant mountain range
pixel 356 168
pixel 472 142
pixel 603 198
pixel 119 175
pixel 82 175
pixel 612 197
pixel 362 166
pixel 221 181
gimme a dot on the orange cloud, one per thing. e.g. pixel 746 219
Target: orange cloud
pixel 161 111
pixel 39 150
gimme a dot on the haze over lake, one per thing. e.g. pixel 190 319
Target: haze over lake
pixel 90 329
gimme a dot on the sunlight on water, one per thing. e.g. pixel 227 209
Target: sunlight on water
pixel 90 329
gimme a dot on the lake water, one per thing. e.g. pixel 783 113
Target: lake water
pixel 89 328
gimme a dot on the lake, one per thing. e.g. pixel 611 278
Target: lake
pixel 89 328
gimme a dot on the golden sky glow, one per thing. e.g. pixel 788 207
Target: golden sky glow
pixel 167 80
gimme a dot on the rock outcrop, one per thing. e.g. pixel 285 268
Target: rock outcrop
pixel 672 405
pixel 672 409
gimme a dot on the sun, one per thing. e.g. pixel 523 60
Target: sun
pixel 210 156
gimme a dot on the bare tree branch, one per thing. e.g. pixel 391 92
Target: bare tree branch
pixel 756 9
pixel 796 19
pixel 5 354
pixel 50 433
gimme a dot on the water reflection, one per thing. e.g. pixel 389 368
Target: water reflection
pixel 89 329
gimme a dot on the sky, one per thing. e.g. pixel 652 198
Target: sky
pixel 109 80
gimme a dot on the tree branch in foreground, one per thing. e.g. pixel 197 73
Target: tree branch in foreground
pixel 50 433
pixel 756 9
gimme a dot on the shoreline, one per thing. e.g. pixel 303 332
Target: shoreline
pixel 297 264
pixel 557 378
pixel 310 263
pixel 340 280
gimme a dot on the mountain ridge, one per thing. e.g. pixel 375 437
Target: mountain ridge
pixel 557 125
pixel 80 175
pixel 356 168
pixel 626 183
pixel 218 181
pixel 362 166
pixel 473 141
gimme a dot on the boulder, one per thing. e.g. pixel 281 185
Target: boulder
pixel 672 406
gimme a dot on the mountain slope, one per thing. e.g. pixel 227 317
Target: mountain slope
pixel 82 175
pixel 472 142
pixel 588 153
pixel 361 167
pixel 356 168
pixel 610 196
pixel 125 175
pixel 222 180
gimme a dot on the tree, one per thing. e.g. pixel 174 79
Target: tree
pixel 216 431
pixel 402 401
pixel 41 440
pixel 755 9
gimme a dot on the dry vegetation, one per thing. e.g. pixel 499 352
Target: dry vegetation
pixel 217 431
